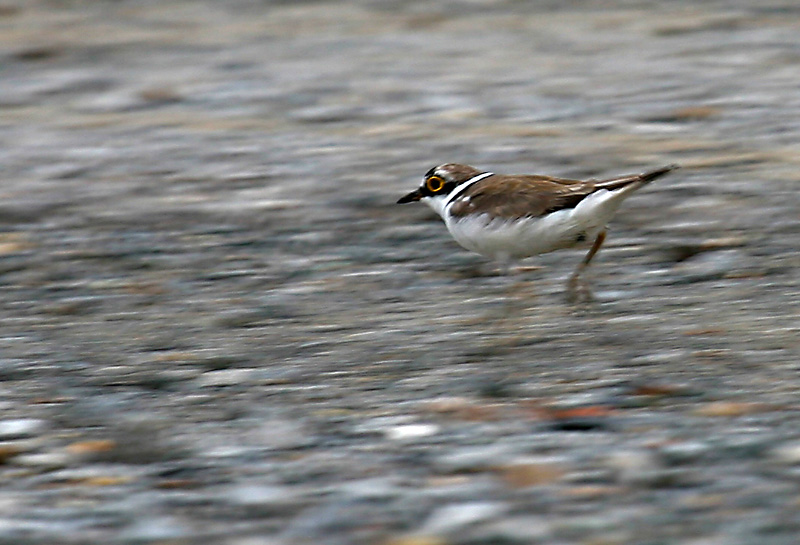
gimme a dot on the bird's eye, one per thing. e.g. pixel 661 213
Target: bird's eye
pixel 434 184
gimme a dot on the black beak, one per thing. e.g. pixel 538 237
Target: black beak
pixel 411 197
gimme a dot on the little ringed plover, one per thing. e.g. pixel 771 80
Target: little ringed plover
pixel 508 217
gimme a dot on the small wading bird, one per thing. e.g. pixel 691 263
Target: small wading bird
pixel 509 217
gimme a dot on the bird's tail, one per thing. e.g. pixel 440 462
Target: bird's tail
pixel 635 181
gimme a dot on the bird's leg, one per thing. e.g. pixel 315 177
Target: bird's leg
pixel 503 264
pixel 578 289
pixel 517 283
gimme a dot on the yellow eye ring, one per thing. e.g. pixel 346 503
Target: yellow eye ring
pixel 434 184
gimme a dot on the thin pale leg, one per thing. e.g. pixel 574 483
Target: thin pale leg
pixel 501 265
pixel 518 283
pixel 576 288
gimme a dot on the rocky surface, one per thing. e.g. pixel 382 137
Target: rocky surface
pixel 217 327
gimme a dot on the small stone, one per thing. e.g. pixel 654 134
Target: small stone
pixel 155 530
pixel 7 248
pixel 260 540
pixel 226 377
pixel 379 426
pixel 279 433
pixel 177 484
pixel 106 480
pixel 243 318
pixel 327 113
pixel 264 499
pixel 95 475
pixel 160 95
pixel 21 428
pixel 520 530
pixel 411 431
pixel 44 460
pixel 524 472
pixel 141 439
pixel 704 501
pixel 691 113
pixel 660 390
pixel 634 466
pixel 788 453
pixel 9 450
pixel 461 408
pixel 445 405
pixel 683 452
pixel 110 101
pixel 91 447
pixel 416 540
pixel 227 451
pixel 746 443
pixel 682 250
pixel 590 492
pixel 600 528
pixel 472 459
pixel 450 518
pixel 377 488
pixel 709 266
pixel 729 408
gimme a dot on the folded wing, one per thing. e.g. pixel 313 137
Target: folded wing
pixel 532 196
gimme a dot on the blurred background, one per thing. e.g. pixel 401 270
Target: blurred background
pixel 217 327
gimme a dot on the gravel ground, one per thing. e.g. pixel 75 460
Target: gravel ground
pixel 217 327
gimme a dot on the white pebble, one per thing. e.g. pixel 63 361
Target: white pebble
pixel 411 431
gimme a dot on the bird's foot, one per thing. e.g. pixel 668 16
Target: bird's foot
pixel 578 291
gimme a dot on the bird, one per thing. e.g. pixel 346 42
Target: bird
pixel 511 217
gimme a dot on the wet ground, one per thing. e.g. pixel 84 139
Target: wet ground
pixel 217 327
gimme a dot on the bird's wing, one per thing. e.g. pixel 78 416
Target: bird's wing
pixel 521 196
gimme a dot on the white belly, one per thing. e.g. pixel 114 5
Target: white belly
pixel 500 239
pixel 503 239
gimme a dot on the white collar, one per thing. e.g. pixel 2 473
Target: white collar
pixel 460 188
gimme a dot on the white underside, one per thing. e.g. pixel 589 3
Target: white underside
pixel 504 239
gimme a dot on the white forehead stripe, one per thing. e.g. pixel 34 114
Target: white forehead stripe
pixel 464 185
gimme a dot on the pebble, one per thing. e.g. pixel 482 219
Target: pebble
pixel 110 102
pixel 21 428
pixel 243 318
pixel 610 528
pixel 264 500
pixel 471 459
pixel 383 425
pixel 532 471
pixel 728 408
pixel 44 460
pixel 376 488
pixel 283 433
pixel 634 466
pixel 91 447
pixel 410 432
pixel 154 530
pixel 684 452
pixel 260 540
pixel 417 540
pixel 788 453
pixel 226 377
pixel 327 114
pixel 744 443
pixel 516 530
pixel 450 518
pixel 447 404
pixel 10 449
pixel 709 266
